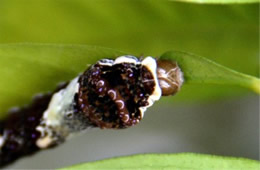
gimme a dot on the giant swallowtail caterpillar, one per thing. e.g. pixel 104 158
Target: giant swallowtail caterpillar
pixel 111 94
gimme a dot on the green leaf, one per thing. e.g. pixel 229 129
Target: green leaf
pixel 172 161
pixel 222 33
pixel 28 69
pixel 220 1
pixel 201 70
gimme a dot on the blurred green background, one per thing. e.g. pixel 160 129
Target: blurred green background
pixel 227 34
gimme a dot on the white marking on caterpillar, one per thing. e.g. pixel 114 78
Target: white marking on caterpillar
pixel 151 65
pixel 112 93
pixel 121 104
pixel 2 141
pixel 59 106
pixel 126 59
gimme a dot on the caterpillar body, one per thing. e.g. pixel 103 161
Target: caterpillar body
pixel 110 94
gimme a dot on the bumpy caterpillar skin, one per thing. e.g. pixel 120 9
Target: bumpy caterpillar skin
pixel 110 94
pixel 18 130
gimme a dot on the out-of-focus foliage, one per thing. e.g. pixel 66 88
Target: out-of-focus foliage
pixel 171 162
pixel 227 34
pixel 220 1
pixel 30 68
pixel 27 69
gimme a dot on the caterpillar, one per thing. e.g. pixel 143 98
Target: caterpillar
pixel 110 94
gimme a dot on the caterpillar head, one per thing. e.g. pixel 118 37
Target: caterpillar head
pixel 116 93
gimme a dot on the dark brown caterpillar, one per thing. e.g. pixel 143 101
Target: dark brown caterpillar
pixel 109 94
